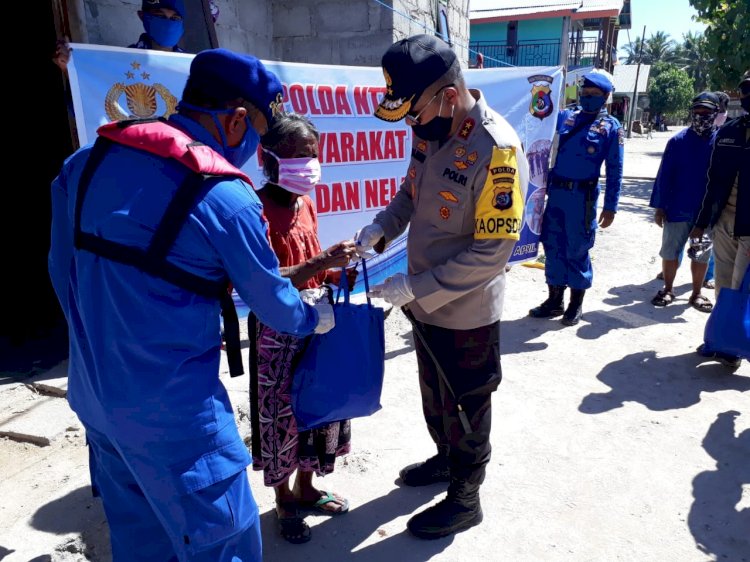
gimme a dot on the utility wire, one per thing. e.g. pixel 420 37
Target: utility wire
pixel 435 32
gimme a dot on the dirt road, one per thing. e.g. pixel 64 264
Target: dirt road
pixel 612 440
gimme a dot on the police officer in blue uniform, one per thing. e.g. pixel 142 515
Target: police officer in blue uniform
pixel 149 226
pixel 586 137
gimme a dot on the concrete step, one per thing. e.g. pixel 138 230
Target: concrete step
pixel 34 418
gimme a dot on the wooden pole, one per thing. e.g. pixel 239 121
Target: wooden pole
pixel 635 87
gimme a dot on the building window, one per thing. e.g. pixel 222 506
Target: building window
pixel 443 31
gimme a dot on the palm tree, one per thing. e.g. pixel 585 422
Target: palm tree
pixel 692 56
pixel 657 48
pixel 631 50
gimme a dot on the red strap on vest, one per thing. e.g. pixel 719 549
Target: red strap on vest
pixel 162 139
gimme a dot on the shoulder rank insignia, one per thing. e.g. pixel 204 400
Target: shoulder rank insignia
pixel 466 128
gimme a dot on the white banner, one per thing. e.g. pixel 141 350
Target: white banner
pixel 363 158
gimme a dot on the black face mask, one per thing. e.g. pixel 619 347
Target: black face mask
pixel 437 128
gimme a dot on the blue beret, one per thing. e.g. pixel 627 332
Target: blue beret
pixel 598 80
pixel 176 5
pixel 223 76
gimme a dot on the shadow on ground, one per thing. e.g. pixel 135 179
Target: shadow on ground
pixel 515 335
pixel 635 310
pixel 408 346
pixel 338 537
pixel 80 513
pixel 719 526
pixel 638 188
pixel 660 383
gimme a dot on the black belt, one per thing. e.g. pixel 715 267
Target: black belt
pixel 574 184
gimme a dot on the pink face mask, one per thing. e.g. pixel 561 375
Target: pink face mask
pixel 298 175
pixel 720 119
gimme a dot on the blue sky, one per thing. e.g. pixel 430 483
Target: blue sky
pixel 671 16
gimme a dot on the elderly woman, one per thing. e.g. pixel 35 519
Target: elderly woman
pixel 290 162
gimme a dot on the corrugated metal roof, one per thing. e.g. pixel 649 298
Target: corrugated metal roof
pixel 509 8
pixel 600 5
pixel 624 78
pixel 498 8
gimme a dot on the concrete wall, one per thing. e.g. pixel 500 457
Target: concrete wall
pixel 346 32
pixel 112 22
pixel 425 12
pixel 246 26
pixel 357 32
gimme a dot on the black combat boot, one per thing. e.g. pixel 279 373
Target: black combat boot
pixel 553 306
pixel 575 309
pixel 433 470
pixel 459 511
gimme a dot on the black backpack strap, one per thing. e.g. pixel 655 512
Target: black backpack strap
pixel 153 260
pixel 232 335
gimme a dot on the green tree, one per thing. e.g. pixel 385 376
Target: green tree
pixel 727 39
pixel 670 92
pixel 693 57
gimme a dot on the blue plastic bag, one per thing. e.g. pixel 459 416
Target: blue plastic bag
pixel 728 327
pixel 340 373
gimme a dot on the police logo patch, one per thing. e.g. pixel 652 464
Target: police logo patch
pixel 445 213
pixel 471 158
pixel 591 150
pixel 422 146
pixel 503 198
pixel 460 152
pixel 460 165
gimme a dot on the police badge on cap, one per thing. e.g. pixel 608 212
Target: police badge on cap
pixel 410 66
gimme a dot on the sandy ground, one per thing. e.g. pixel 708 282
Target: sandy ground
pixel 612 440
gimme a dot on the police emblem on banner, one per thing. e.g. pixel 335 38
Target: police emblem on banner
pixel 141 98
pixel 541 105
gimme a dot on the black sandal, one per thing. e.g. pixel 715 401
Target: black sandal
pixel 293 527
pixel 663 298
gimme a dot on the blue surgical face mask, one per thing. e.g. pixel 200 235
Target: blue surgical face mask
pixel 240 154
pixel 164 31
pixel 592 104
pixel 235 155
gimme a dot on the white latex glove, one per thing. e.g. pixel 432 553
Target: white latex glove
pixel 366 237
pixel 326 319
pixel 395 290
pixel 313 296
